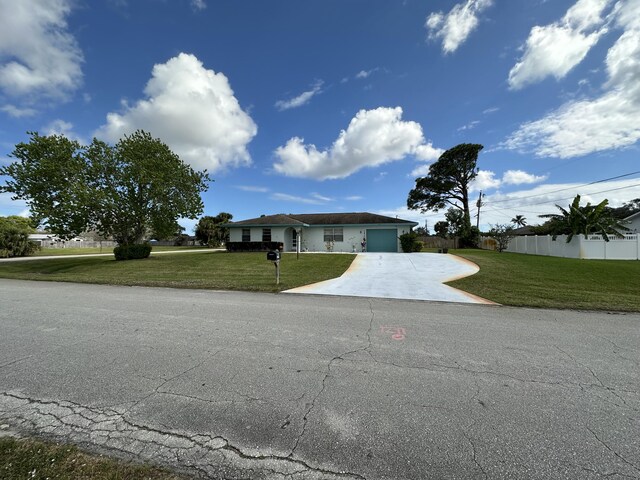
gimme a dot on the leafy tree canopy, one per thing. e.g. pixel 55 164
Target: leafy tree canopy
pixel 442 229
pixel 124 191
pixel 626 210
pixel 455 219
pixel 209 230
pixel 447 182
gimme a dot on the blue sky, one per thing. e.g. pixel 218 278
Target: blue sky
pixel 338 105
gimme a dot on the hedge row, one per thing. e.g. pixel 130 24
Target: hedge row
pixel 254 246
pixel 132 252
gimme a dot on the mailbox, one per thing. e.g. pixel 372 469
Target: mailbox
pixel 273 256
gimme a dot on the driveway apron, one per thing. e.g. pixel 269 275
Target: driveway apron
pixel 412 276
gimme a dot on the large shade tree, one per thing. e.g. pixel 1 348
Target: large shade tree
pixel 124 191
pixel 447 183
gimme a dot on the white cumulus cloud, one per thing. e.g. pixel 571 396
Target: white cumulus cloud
pixel 555 49
pixel 18 112
pixel 519 177
pixel 194 111
pixel 608 121
pixel 39 58
pixel 425 153
pixel 198 5
pixel 285 197
pixel 62 127
pixel 486 179
pixel 373 137
pixel 454 27
pixel 302 99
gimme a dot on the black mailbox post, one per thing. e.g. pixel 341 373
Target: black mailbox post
pixel 274 256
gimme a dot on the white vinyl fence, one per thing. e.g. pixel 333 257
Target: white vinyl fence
pixel 593 247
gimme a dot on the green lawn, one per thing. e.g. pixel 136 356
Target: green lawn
pixel 216 270
pixel 27 458
pixel 538 281
pixel 46 252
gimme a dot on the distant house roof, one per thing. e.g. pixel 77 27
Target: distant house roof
pixel 526 230
pixel 307 219
pixel 632 216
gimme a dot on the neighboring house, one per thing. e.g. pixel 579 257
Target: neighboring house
pixel 322 232
pixel 526 230
pixel 633 223
pixel 50 239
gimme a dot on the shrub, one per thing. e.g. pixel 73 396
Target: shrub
pixel 469 238
pixel 132 252
pixel 253 246
pixel 181 240
pixel 410 243
pixel 502 235
pixel 14 237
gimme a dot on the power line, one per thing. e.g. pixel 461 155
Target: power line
pixel 495 209
pixel 568 198
pixel 563 189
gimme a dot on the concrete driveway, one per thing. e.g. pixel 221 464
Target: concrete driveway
pixel 412 276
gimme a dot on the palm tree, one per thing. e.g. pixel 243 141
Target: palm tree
pixel 586 220
pixel 519 221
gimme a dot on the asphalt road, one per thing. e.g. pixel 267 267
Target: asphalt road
pixel 242 385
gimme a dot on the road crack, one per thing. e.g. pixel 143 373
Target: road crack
pixel 605 445
pixel 112 430
pixel 312 404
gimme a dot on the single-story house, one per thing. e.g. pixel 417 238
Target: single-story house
pixel 320 232
pixel 633 223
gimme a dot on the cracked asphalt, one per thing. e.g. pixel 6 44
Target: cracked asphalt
pixel 236 385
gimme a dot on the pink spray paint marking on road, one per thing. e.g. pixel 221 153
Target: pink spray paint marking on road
pixel 397 333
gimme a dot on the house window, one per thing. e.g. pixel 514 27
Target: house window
pixel 333 235
pixel 246 235
pixel 266 234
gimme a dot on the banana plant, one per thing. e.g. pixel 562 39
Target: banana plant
pixel 586 220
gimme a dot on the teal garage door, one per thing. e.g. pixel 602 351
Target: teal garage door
pixel 383 240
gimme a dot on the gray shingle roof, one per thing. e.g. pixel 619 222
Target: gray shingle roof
pixel 357 218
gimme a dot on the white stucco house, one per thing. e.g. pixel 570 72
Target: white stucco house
pixel 633 223
pixel 319 232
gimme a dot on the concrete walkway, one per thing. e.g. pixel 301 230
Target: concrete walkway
pixel 412 276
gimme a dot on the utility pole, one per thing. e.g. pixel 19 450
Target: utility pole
pixel 479 204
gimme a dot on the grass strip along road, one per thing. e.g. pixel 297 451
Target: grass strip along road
pixel 216 270
pixel 29 458
pixel 51 252
pixel 552 282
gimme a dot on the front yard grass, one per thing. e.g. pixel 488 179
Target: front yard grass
pixel 552 282
pixel 29 458
pixel 46 252
pixel 215 270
